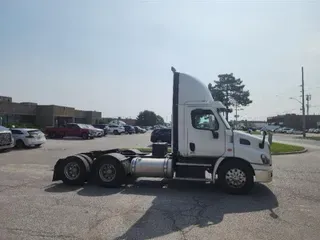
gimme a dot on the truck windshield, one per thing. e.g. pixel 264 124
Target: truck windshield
pixel 220 111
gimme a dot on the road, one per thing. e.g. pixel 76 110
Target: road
pixel 32 207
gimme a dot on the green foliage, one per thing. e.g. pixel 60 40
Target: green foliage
pixel 277 148
pixel 160 120
pixel 146 118
pixel 230 91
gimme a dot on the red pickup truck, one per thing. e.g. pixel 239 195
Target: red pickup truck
pixel 70 130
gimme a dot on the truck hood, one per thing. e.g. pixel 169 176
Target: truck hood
pixel 251 136
pixel 247 135
pixel 250 151
pixel 254 140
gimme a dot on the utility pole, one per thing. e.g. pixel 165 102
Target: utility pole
pixel 236 116
pixel 303 107
pixel 308 98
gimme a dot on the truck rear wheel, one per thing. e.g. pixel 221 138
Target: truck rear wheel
pixel 51 135
pixel 75 170
pixel 236 177
pixel 109 172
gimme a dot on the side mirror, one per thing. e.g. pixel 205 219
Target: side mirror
pixel 270 138
pixel 215 134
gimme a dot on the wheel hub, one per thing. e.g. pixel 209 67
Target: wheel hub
pixel 107 172
pixel 236 178
pixel 72 170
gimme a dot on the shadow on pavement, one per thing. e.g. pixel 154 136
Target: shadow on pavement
pixel 61 188
pixel 180 205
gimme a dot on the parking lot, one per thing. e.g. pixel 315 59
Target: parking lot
pixel 32 207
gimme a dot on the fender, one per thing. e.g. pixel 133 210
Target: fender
pixel 221 159
pixel 216 168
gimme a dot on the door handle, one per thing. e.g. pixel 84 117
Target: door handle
pixel 192 147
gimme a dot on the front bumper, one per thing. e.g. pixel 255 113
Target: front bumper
pixel 264 176
pixel 7 146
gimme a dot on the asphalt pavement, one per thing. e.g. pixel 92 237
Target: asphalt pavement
pixel 32 207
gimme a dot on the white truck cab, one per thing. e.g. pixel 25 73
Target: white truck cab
pixel 202 137
pixel 204 148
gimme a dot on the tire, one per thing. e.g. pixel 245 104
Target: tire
pixel 20 144
pixel 115 132
pixel 231 168
pixel 5 150
pixel 84 136
pixel 82 169
pixel 52 135
pixel 116 177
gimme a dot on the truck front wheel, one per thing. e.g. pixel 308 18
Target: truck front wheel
pixel 236 177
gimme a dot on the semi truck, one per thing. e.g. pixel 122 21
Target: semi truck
pixel 203 148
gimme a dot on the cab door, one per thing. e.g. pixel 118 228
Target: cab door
pixel 205 133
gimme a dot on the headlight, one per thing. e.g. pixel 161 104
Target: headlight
pixel 265 159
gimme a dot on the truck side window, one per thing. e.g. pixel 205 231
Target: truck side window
pixel 204 120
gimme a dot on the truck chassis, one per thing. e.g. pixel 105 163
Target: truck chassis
pixel 115 167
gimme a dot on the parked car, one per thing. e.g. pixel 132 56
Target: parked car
pixel 297 132
pixel 139 129
pixel 161 135
pixel 129 129
pixel 289 131
pixel 104 127
pixel 28 137
pixel 6 139
pixel 70 130
pixel 97 131
pixel 317 130
pixel 116 129
pixel 284 130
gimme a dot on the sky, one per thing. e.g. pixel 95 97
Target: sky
pixel 115 56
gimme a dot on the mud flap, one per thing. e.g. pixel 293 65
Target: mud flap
pixel 56 171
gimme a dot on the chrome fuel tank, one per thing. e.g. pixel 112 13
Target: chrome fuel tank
pixel 151 167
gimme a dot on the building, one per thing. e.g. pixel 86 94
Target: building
pixel 294 121
pixel 5 99
pixel 43 115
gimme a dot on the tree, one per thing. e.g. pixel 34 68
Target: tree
pixel 230 91
pixel 146 118
pixel 160 120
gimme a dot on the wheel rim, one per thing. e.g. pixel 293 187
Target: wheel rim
pixel 107 172
pixel 72 171
pixel 236 178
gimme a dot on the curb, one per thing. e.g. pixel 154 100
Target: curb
pixel 290 153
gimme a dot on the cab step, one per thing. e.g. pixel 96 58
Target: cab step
pixel 193 179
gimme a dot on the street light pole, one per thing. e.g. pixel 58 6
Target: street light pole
pixel 303 108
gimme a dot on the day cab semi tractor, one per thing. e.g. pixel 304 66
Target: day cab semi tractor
pixel 203 148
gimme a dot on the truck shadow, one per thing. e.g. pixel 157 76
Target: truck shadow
pixel 179 206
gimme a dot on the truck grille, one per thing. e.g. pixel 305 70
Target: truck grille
pixel 5 139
